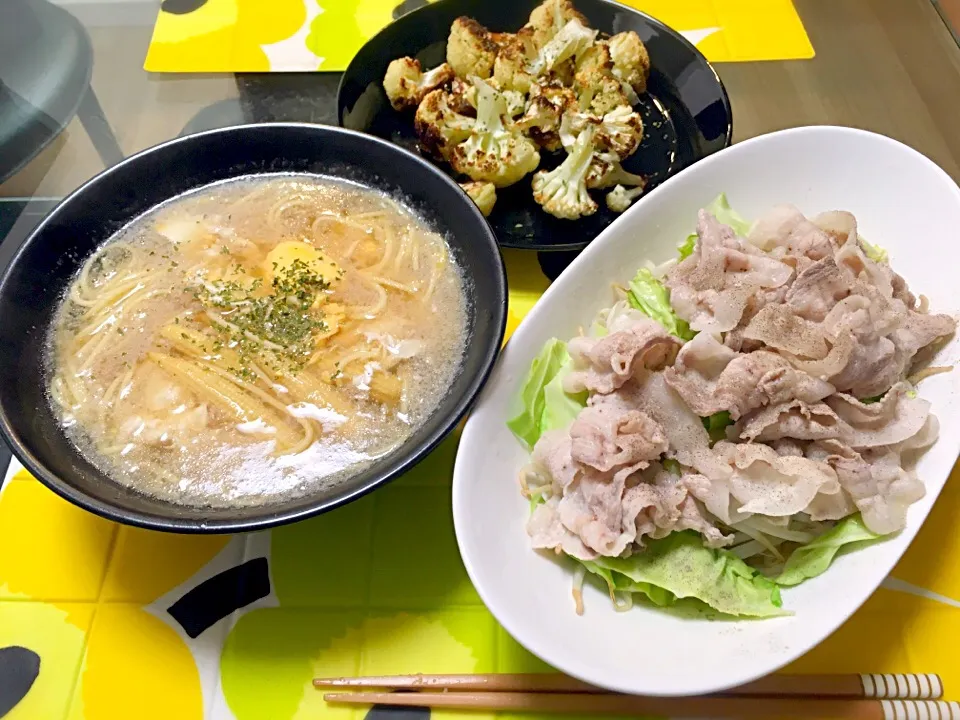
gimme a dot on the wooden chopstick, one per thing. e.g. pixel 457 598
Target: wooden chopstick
pixel 903 686
pixel 714 707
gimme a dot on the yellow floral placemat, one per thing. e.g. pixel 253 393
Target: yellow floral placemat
pixel 100 621
pixel 307 35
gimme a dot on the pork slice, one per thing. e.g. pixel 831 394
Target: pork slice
pixel 605 436
pixel 711 378
pixel 592 508
pixel 894 419
pixel 784 226
pixel 713 286
pixel 879 486
pixel 781 328
pixel 601 365
pixel 553 453
pixel 766 483
pixel 817 289
pixel 661 504
pixel 686 435
pixel 696 372
pixel 793 419
pixel 838 224
pixel 548 533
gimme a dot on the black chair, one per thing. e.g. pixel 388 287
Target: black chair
pixel 46 60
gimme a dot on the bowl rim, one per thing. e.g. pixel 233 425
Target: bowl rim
pixel 614 5
pixel 497 306
pixel 502 611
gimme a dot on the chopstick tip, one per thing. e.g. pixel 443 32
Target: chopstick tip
pixel 329 682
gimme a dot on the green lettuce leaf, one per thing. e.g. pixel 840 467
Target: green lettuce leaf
pixel 525 424
pixel 874 252
pixel 648 295
pixel 716 425
pixel 617 582
pixel 814 558
pixel 543 405
pixel 679 566
pixel 560 409
pixel 721 210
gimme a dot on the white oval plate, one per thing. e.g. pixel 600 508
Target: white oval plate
pixel 904 203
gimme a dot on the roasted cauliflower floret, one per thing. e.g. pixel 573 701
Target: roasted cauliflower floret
pixel 471 48
pixel 466 98
pixel 463 97
pixel 606 171
pixel 549 101
pixel 563 192
pixel 494 152
pixel 594 63
pixel 599 93
pixel 573 40
pixel 620 131
pixel 438 126
pixel 631 63
pixel 619 199
pixel 510 66
pixel 548 17
pixel 574 123
pixel 484 194
pixel 406 84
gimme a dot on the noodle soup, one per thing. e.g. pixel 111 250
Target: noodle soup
pixel 256 340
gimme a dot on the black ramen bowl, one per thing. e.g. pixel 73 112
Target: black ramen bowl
pixel 686 112
pixel 32 287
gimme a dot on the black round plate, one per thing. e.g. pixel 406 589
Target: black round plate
pixel 686 112
pixel 34 283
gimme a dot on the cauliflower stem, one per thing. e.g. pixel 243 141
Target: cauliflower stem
pixel 494 152
pixel 563 192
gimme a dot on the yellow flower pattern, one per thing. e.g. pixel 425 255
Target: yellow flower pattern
pixel 230 35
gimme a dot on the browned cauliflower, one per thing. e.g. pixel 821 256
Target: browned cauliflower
pixel 466 97
pixel 510 65
pixel 406 84
pixel 549 101
pixel 606 171
pixel 593 63
pixel 563 192
pixel 496 151
pixel 620 131
pixel 573 40
pixel 551 15
pixel 438 126
pixel 471 48
pixel 631 63
pixel 484 194
pixel 603 95
pixel 463 97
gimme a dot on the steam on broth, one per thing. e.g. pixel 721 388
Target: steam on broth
pixel 258 338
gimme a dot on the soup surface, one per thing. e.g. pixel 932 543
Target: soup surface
pixel 256 340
